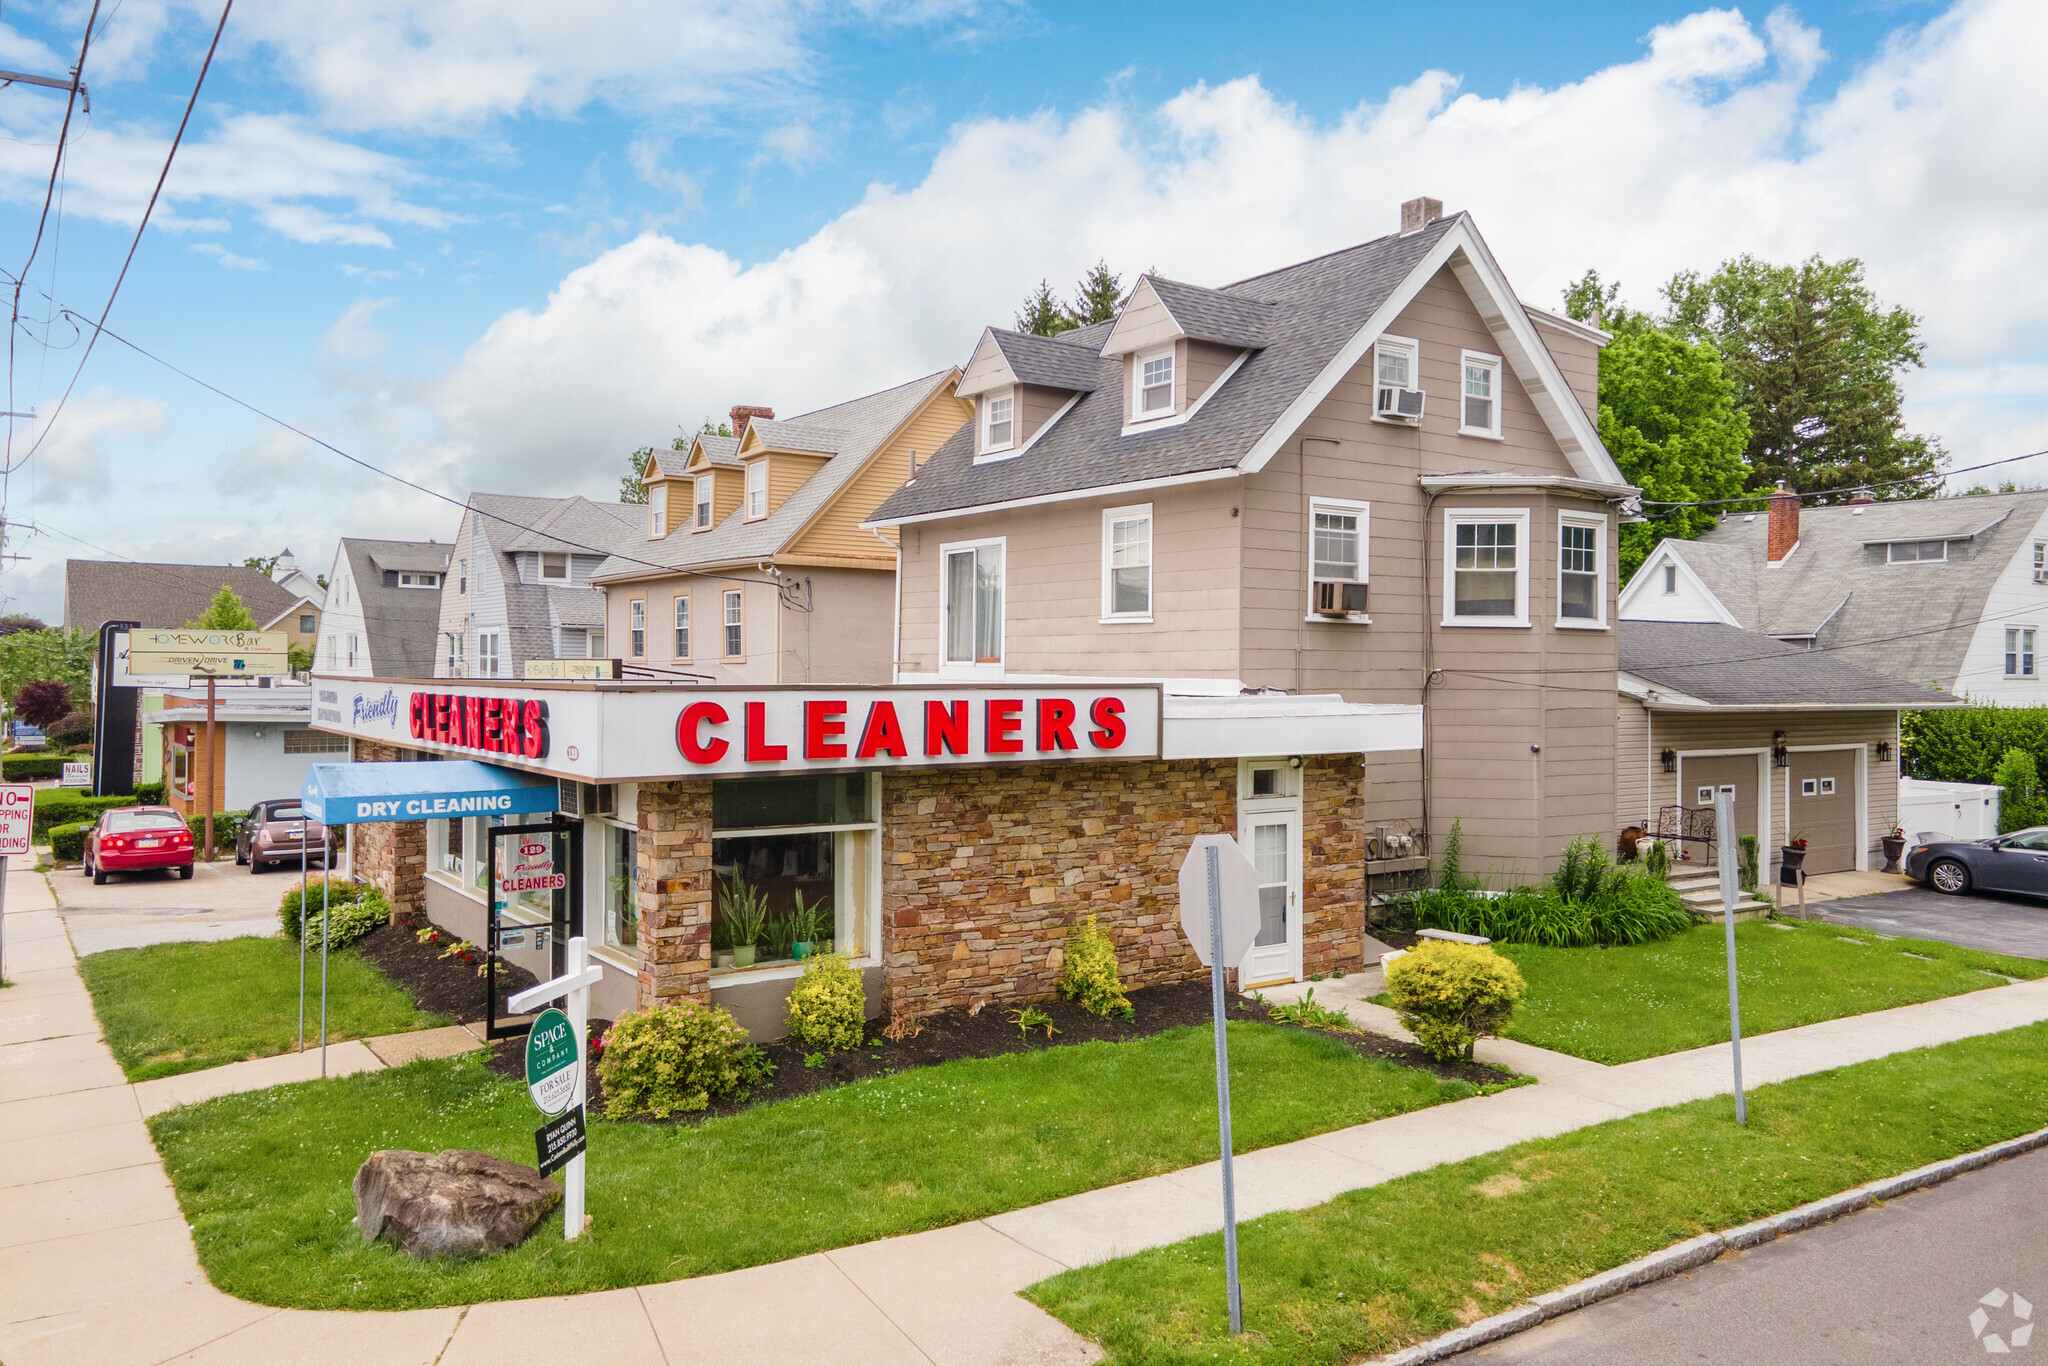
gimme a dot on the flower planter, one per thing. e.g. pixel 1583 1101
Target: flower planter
pixel 743 958
pixel 800 950
pixel 1894 846
pixel 721 959
pixel 1791 863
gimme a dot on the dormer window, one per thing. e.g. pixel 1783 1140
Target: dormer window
pixel 998 422
pixel 1155 385
pixel 657 512
pixel 554 565
pixel 757 490
pixel 703 496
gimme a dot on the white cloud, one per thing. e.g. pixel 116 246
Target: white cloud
pixel 75 457
pixel 227 258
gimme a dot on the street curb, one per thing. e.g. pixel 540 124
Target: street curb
pixel 1693 1252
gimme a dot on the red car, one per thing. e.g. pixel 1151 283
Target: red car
pixel 129 839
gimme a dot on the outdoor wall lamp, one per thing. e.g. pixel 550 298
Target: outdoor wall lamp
pixel 1780 757
pixel 1670 758
pixel 1884 750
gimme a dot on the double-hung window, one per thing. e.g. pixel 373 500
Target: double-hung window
pixel 1155 385
pixel 554 566
pixel 636 628
pixel 998 422
pixel 1127 563
pixel 973 608
pixel 2041 562
pixel 703 490
pixel 682 610
pixel 735 637
pixel 1479 410
pixel 1393 363
pixel 1486 568
pixel 462 576
pixel 1581 591
pixel 2019 652
pixel 657 512
pixel 455 654
pixel 757 489
pixel 487 654
pixel 1338 555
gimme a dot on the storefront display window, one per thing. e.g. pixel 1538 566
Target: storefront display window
pixel 794 863
pixel 621 905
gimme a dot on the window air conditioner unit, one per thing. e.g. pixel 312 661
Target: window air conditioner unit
pixel 578 800
pixel 1402 405
pixel 1338 598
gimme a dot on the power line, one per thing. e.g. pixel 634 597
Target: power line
pixel 178 138
pixel 1918 479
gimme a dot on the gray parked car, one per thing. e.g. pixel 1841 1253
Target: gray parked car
pixel 273 834
pixel 2016 862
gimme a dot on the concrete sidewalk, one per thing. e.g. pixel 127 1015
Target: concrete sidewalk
pixel 97 1264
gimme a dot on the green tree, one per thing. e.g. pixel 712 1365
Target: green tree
pixel 20 621
pixel 298 659
pixel 633 487
pixel 1042 314
pixel 1815 359
pixel 27 656
pixel 262 564
pixel 224 613
pixel 2019 783
pixel 1593 300
pixel 1096 297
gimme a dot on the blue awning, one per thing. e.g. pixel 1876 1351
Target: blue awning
pixel 352 794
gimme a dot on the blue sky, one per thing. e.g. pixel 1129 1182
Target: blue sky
pixel 496 245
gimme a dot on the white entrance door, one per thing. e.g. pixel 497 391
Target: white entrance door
pixel 1269 828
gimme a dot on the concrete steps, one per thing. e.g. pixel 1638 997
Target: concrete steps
pixel 1701 893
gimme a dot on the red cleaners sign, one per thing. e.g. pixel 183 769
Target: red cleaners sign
pixel 512 726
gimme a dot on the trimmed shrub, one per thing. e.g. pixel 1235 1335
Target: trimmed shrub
pixel 1088 974
pixel 67 842
pixel 27 767
pixel 828 1007
pixel 2019 796
pixel 355 908
pixel 226 825
pixel 1449 995
pixel 1966 744
pixel 75 729
pixel 149 794
pixel 68 806
pixel 674 1058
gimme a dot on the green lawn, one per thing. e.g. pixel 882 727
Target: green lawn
pixel 1385 1266
pixel 173 1008
pixel 1619 1004
pixel 264 1178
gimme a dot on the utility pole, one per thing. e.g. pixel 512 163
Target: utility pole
pixel 211 758
pixel 53 83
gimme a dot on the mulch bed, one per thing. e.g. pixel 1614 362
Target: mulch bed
pixel 439 985
pixel 957 1033
pixel 1396 939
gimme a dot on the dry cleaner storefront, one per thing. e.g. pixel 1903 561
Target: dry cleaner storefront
pixel 943 837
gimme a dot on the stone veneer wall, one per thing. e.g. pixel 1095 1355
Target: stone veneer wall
pixel 392 855
pixel 1333 814
pixel 674 891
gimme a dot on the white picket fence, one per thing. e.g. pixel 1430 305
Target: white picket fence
pixel 1963 811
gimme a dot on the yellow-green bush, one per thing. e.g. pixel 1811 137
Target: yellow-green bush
pixel 1089 973
pixel 828 1007
pixel 1450 994
pixel 675 1057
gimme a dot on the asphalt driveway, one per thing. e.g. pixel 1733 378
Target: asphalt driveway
pixel 220 901
pixel 2001 924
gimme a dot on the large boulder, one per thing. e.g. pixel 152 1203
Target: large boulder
pixel 451 1204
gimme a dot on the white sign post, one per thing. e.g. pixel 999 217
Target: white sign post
pixel 1731 892
pixel 17 818
pixel 1219 913
pixel 574 984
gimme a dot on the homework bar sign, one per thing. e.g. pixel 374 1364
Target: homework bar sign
pixel 223 654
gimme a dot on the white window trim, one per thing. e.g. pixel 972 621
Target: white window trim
pixel 1493 363
pixel 725 598
pixel 1414 350
pixel 704 495
pixel 568 574
pixel 1132 428
pixel 1599 525
pixel 2019 651
pixel 1453 517
pixel 1670 579
pixel 747 490
pixel 983 449
pixel 636 624
pixel 1364 513
pixel 1110 517
pixel 1890 546
pixel 948 669
pixel 657 512
pixel 680 621
pixel 1139 417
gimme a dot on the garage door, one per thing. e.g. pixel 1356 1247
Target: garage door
pixel 1701 776
pixel 1823 803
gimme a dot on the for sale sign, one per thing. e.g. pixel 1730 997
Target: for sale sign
pixel 552 1057
pixel 17 816
pixel 555 1142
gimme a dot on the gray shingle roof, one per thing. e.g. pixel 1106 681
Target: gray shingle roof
pixel 505 524
pixel 1912 621
pixel 398 623
pixel 1216 315
pixel 1728 667
pixel 1315 308
pixel 720 450
pixel 99 591
pixel 851 431
pixel 1053 362
pixel 569 524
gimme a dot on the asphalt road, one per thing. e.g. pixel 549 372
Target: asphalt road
pixel 1892 1284
pixel 2002 924
pixel 220 901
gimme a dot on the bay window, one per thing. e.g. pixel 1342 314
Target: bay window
pixel 1486 572
pixel 972 610
pixel 1127 562
pixel 1581 575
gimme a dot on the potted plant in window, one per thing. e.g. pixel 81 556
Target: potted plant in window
pixel 721 945
pixel 1792 860
pixel 780 936
pixel 746 913
pixel 805 923
pixel 1894 845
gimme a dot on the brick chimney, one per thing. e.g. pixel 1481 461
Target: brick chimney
pixel 1418 214
pixel 742 415
pixel 1784 524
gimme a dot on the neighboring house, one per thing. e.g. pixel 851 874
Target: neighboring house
pixel 750 564
pixel 264 745
pixel 1808 742
pixel 383 603
pixel 1948 593
pixel 519 583
pixel 1372 474
pixel 287 575
pixel 99 591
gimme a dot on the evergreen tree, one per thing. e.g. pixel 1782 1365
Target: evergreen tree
pixel 1097 296
pixel 1815 359
pixel 1042 314
pixel 224 613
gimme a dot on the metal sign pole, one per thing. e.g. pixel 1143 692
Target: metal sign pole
pixel 1724 824
pixel 1216 970
pixel 301 1046
pixel 326 933
pixel 3 917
